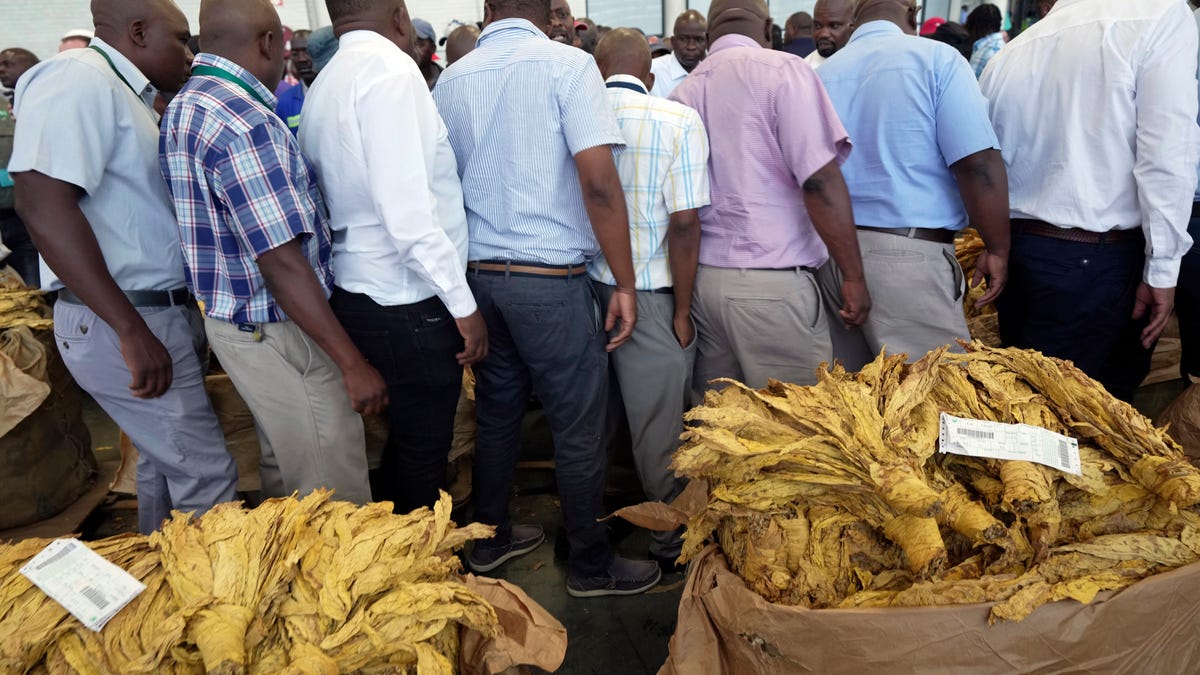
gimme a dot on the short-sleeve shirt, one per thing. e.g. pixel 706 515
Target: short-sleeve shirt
pixel 242 189
pixel 79 123
pixel 913 108
pixel 518 109
pixel 770 127
pixel 664 170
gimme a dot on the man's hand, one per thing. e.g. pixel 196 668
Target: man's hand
pixel 149 362
pixel 366 388
pixel 475 339
pixel 994 269
pixel 1159 302
pixel 685 332
pixel 856 303
pixel 622 308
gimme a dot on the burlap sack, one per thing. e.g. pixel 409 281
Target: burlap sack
pixel 1183 419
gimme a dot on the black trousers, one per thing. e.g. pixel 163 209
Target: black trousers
pixel 1075 301
pixel 413 347
pixel 546 335
pixel 1187 300
pixel 24 257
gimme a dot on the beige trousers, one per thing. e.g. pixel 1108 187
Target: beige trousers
pixel 758 324
pixel 310 435
pixel 916 299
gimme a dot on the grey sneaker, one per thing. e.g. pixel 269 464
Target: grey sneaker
pixel 524 539
pixel 624 577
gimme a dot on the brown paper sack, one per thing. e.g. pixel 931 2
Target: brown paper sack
pixel 529 635
pixel 1183 419
pixel 725 628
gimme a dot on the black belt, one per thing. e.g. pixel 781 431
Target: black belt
pixel 665 290
pixel 797 268
pixel 1040 228
pixel 941 236
pixel 526 269
pixel 179 296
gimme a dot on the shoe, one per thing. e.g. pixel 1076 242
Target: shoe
pixel 624 577
pixel 524 539
pixel 668 565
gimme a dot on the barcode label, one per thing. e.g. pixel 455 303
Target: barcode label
pixel 978 434
pixel 1064 452
pixel 95 596
pixel 62 552
pixel 1017 442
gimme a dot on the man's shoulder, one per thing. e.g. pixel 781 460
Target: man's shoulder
pixel 659 109
pixel 73 72
pixel 223 112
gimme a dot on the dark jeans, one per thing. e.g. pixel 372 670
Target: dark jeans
pixel 24 258
pixel 1187 301
pixel 413 347
pixel 544 334
pixel 1075 301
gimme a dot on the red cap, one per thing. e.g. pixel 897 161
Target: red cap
pixel 931 25
pixel 581 25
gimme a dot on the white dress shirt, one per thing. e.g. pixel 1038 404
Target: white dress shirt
pixel 81 124
pixel 388 173
pixel 668 73
pixel 815 59
pixel 1095 108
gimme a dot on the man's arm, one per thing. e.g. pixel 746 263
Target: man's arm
pixel 828 202
pixel 683 246
pixel 606 208
pixel 983 184
pixel 63 235
pixel 299 293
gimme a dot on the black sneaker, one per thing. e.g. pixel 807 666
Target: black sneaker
pixel 624 577
pixel 668 565
pixel 524 539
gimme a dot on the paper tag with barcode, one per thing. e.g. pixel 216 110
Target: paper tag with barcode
pixel 997 440
pixel 91 588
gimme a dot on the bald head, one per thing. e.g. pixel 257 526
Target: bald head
pixel 461 42
pixel 152 34
pixel 247 32
pixel 798 25
pixel 389 18
pixel 903 13
pixel 750 18
pixel 625 51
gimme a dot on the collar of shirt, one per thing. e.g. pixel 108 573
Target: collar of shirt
pixel 629 79
pixel 508 28
pixel 872 28
pixel 732 40
pixel 139 82
pixel 675 68
pixel 214 61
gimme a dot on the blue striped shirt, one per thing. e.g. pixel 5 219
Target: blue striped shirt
pixel 241 189
pixel 518 109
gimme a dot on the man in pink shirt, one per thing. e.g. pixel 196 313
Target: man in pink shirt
pixel 780 207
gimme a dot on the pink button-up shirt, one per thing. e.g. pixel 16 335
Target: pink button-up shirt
pixel 771 126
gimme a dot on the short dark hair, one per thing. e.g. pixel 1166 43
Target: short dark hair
pixel 22 54
pixel 532 9
pixel 983 21
pixel 339 9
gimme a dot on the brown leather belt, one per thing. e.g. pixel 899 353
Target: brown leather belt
pixel 940 236
pixel 527 269
pixel 1040 228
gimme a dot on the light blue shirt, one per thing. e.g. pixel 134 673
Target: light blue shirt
pixel 913 108
pixel 518 109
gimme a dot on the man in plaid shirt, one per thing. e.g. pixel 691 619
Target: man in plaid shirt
pixel 257 251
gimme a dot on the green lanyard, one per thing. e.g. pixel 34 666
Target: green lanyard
pixel 223 74
pixel 112 65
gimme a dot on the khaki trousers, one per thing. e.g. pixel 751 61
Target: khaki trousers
pixel 310 435
pixel 754 325
pixel 916 300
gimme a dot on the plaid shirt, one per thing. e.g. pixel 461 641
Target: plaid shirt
pixel 241 189
pixel 664 169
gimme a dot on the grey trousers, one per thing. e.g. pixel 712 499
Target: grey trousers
pixel 310 435
pixel 916 300
pixel 654 381
pixel 754 325
pixel 183 463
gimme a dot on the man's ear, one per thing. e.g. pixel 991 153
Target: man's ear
pixel 649 81
pixel 488 14
pixel 137 33
pixel 266 45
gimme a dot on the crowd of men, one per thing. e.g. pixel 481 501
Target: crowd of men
pixel 588 223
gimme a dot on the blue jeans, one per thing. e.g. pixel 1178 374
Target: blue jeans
pixel 24 257
pixel 1075 301
pixel 413 347
pixel 1187 300
pixel 544 335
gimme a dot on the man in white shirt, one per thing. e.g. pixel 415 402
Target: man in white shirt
pixel 689 45
pixel 833 24
pixel 1095 108
pixel 389 175
pixel 664 172
pixel 85 164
